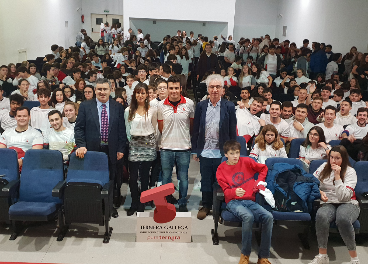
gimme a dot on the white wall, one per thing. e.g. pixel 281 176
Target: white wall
pixel 171 26
pixel 341 23
pixel 192 10
pixel 255 18
pixel 35 25
pixel 89 7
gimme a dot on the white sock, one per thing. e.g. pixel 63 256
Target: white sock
pixel 356 258
pixel 323 255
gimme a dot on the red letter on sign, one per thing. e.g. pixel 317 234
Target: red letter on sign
pixel 164 212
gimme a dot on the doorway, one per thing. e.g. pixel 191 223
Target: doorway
pixel 97 19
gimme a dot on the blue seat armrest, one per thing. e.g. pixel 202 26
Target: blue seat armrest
pixel 58 190
pixel 10 188
pixel 106 190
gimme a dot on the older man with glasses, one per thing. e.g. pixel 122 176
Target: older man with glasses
pixel 214 124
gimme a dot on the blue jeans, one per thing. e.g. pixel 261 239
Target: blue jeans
pixel 208 168
pixel 182 160
pixel 249 212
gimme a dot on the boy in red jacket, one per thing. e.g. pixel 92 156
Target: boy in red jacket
pixel 236 178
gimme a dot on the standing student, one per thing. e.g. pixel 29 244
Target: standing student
pixel 39 115
pixel 332 131
pixel 108 136
pixel 23 137
pixel 268 144
pixel 140 124
pixel 214 124
pixel 338 203
pixel 240 199
pixel 271 61
pixel 175 123
pixel 207 61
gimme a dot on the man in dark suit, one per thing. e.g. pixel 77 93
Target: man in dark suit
pixel 214 124
pixel 100 127
pixel 207 61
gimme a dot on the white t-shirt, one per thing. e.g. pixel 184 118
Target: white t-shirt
pixel 278 81
pixel 141 125
pixel 272 64
pixel 68 80
pixel 356 106
pixel 312 154
pixel 39 119
pixel 62 141
pixel 246 81
pixel 6 121
pixel 263 77
pixel 5 104
pixel 185 64
pixel 176 123
pixel 333 133
pixel 332 68
pixel 269 152
pixel 31 96
pixel 228 82
pixel 357 131
pixel 143 51
pixel 60 107
pixel 86 48
pixel 345 120
pixel 302 79
pixel 114 49
pixel 140 36
pixel 230 55
pixel 282 127
pixel 247 124
pixel 294 133
pixel 24 140
pixel 129 93
pixel 329 102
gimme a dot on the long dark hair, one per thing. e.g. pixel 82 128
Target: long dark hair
pixel 326 172
pixel 134 103
pixel 186 53
pixel 53 97
pixel 259 70
pixel 321 135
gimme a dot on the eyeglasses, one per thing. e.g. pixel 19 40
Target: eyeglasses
pixel 314 134
pixel 215 86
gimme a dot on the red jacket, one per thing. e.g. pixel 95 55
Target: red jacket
pixel 241 175
pixel 61 76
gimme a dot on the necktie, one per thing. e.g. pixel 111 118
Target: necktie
pixel 104 124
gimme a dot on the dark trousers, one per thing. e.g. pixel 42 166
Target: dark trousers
pixel 141 168
pixel 208 168
pixel 112 171
pixel 155 170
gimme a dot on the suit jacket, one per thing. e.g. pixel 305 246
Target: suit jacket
pixel 206 63
pixel 87 128
pixel 227 125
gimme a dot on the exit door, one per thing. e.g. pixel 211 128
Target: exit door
pixel 97 19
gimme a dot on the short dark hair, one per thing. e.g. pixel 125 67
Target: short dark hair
pixel 302 106
pixel 258 99
pixel 272 47
pixel 362 109
pixel 141 67
pixel 23 108
pixel 43 91
pixel 16 98
pixel 267 90
pixel 54 112
pixel 166 68
pixel 90 73
pixel 276 103
pixel 331 107
pixel 47 67
pixel 22 80
pixel 231 145
pixel 348 101
pixel 153 66
pixel 339 93
pixel 305 41
pixel 171 57
pixel 173 79
pixel 54 47
pixel 328 88
pixel 356 91
pixel 22 69
pixel 76 70
pixel 287 104
pixel 50 57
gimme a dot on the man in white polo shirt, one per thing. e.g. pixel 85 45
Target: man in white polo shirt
pixel 273 118
pixel 23 137
pixel 175 122
pixel 359 129
pixel 59 137
pixel 7 118
pixel 332 131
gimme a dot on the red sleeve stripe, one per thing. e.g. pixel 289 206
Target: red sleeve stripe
pixel 253 154
pixel 353 197
pixel 3 144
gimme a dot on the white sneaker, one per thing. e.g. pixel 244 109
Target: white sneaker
pixel 320 260
pixel 159 184
pixel 197 186
pixel 354 262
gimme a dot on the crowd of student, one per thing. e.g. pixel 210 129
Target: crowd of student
pixel 139 89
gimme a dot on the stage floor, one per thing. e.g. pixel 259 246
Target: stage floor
pixel 83 243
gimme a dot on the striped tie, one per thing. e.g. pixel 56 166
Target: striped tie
pixel 104 124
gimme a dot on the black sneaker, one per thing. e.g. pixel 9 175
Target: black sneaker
pixel 171 199
pixel 183 208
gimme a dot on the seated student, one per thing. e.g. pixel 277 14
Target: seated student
pixel 338 203
pixel 287 112
pixel 267 94
pixel 314 146
pixel 248 121
pixel 288 87
pixel 359 129
pixel 58 99
pixel 303 97
pixel 301 77
pixel 23 90
pixel 96 64
pixel 326 93
pixel 246 78
pixel 245 95
pixel 315 110
pixel 230 79
pixel 338 96
pixel 300 125
pixel 88 93
pixel 77 73
pixel 332 131
pixel 273 118
pixel 92 77
pixel 39 118
pixel 69 93
pixel 70 114
pixel 23 137
pixel 237 65
pixel 4 102
pixel 267 145
pixel 50 78
pixel 24 75
pixel 344 117
pixel 7 118
pixel 282 79
pixel 356 100
pixel 59 137
pixel 240 199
